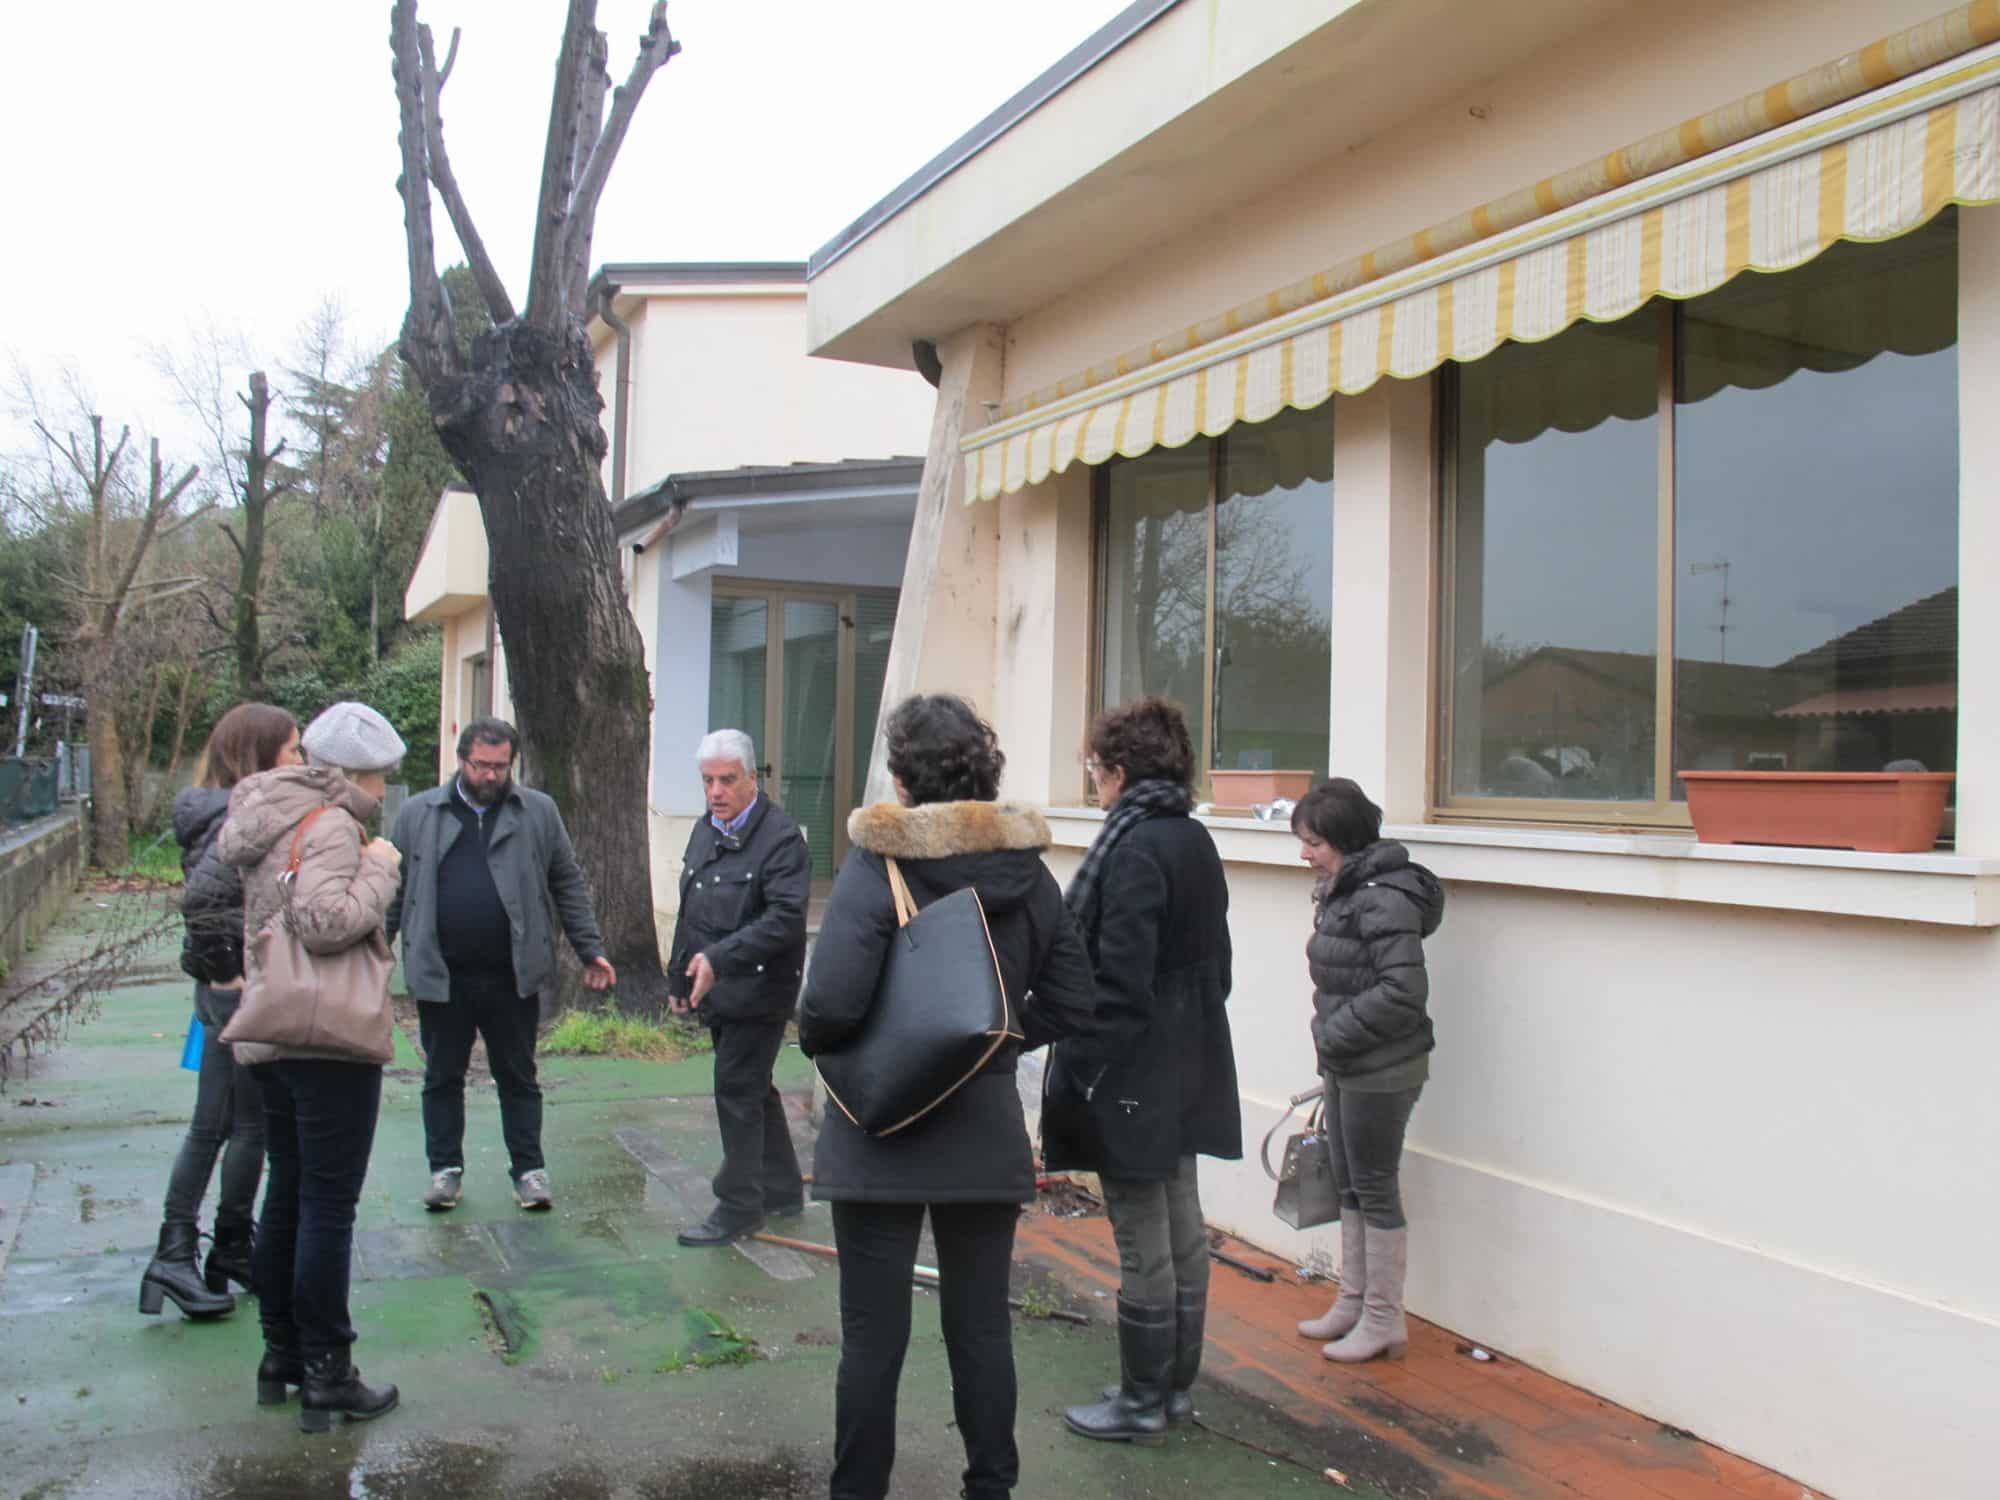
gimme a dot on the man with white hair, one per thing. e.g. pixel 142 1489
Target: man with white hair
pixel 739 952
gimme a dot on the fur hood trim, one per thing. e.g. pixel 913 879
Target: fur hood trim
pixel 938 830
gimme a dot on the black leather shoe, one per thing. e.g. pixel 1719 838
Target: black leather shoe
pixel 333 1388
pixel 282 1365
pixel 174 1273
pixel 785 1210
pixel 716 1230
pixel 230 1256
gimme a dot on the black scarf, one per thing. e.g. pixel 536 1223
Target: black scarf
pixel 1141 801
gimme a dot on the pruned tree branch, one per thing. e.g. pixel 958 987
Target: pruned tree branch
pixel 427 341
pixel 583 139
pixel 547 284
pixel 491 288
pixel 656 47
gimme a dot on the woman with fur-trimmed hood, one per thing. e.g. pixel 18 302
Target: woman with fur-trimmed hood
pixel 968 1162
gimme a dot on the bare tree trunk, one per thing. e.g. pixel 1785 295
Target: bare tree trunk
pixel 258 493
pixel 110 813
pixel 518 415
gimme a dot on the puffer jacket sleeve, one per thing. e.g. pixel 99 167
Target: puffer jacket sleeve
pixel 212 908
pixel 847 959
pixel 1061 998
pixel 341 894
pixel 1388 926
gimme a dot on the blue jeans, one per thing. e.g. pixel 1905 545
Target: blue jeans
pixel 319 1121
pixel 226 1110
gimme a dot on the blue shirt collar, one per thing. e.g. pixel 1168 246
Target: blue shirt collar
pixel 735 824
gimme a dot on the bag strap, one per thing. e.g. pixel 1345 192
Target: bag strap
pixel 899 892
pixel 1299 1098
pixel 299 838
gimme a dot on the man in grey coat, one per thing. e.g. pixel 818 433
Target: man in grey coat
pixel 488 874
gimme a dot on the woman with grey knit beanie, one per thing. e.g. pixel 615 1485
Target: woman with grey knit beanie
pixel 302 827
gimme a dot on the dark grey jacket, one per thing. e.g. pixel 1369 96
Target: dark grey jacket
pixel 212 896
pixel 1371 992
pixel 743 903
pixel 534 868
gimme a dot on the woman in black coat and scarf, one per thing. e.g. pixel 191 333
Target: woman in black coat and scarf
pixel 1371 1027
pixel 228 1113
pixel 1154 1084
pixel 968 1161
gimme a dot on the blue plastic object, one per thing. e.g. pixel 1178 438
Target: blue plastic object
pixel 191 1048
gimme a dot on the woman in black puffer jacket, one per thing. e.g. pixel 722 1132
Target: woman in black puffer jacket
pixel 968 1162
pixel 1372 1030
pixel 251 737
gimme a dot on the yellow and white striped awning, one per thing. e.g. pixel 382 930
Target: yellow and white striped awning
pixel 1878 166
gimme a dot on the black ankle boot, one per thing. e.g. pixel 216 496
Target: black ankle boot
pixel 282 1365
pixel 333 1388
pixel 1138 1413
pixel 173 1273
pixel 230 1257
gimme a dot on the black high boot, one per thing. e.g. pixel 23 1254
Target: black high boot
pixel 1138 1413
pixel 173 1273
pixel 333 1388
pixel 230 1257
pixel 282 1365
pixel 1190 1329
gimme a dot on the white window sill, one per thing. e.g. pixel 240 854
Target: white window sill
pixel 1953 890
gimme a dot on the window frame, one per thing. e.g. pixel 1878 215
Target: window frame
pixel 1663 812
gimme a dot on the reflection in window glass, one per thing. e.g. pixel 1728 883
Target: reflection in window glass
pixel 874 627
pixel 812 678
pixel 737 634
pixel 1816 514
pixel 1156 579
pixel 1274 594
pixel 1555 530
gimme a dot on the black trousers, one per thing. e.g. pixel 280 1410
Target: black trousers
pixel 487 1006
pixel 228 1121
pixel 760 1167
pixel 878 1248
pixel 319 1127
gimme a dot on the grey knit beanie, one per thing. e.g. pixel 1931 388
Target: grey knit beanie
pixel 353 737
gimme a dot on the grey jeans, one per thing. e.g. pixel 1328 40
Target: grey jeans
pixel 1364 1143
pixel 227 1109
pixel 1162 1244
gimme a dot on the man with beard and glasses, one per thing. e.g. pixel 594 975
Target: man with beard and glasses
pixel 488 875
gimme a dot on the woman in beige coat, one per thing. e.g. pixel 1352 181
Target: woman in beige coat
pixel 319 1107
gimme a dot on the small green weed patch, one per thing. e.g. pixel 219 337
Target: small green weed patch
pixel 711 1342
pixel 609 1033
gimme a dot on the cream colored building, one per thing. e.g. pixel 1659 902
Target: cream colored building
pixel 1473 400
pixel 762 501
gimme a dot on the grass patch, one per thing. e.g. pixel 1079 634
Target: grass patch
pixel 157 860
pixel 711 1343
pixel 610 1033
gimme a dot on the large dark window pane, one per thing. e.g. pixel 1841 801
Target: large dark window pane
pixel 1274 594
pixel 1816 514
pixel 1156 579
pixel 1555 533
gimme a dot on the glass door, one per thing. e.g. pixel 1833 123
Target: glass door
pixel 800 671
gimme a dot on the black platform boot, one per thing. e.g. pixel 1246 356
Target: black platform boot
pixel 281 1366
pixel 231 1255
pixel 333 1388
pixel 1138 1413
pixel 173 1273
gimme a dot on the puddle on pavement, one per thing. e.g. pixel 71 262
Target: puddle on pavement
pixel 451 1468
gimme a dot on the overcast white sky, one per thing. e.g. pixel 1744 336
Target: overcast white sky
pixel 234 161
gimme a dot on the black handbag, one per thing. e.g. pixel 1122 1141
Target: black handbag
pixel 1307 1194
pixel 940 1015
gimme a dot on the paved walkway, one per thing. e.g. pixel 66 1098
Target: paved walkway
pixel 571 1354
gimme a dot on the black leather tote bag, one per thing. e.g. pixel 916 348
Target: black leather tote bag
pixel 940 1015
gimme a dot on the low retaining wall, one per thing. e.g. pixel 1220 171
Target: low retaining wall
pixel 40 864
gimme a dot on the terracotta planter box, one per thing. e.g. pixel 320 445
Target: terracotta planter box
pixel 1888 812
pixel 1248 788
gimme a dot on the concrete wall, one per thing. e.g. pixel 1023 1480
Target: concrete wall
pixel 40 864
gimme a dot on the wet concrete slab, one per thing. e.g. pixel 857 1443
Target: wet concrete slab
pixel 538 1354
